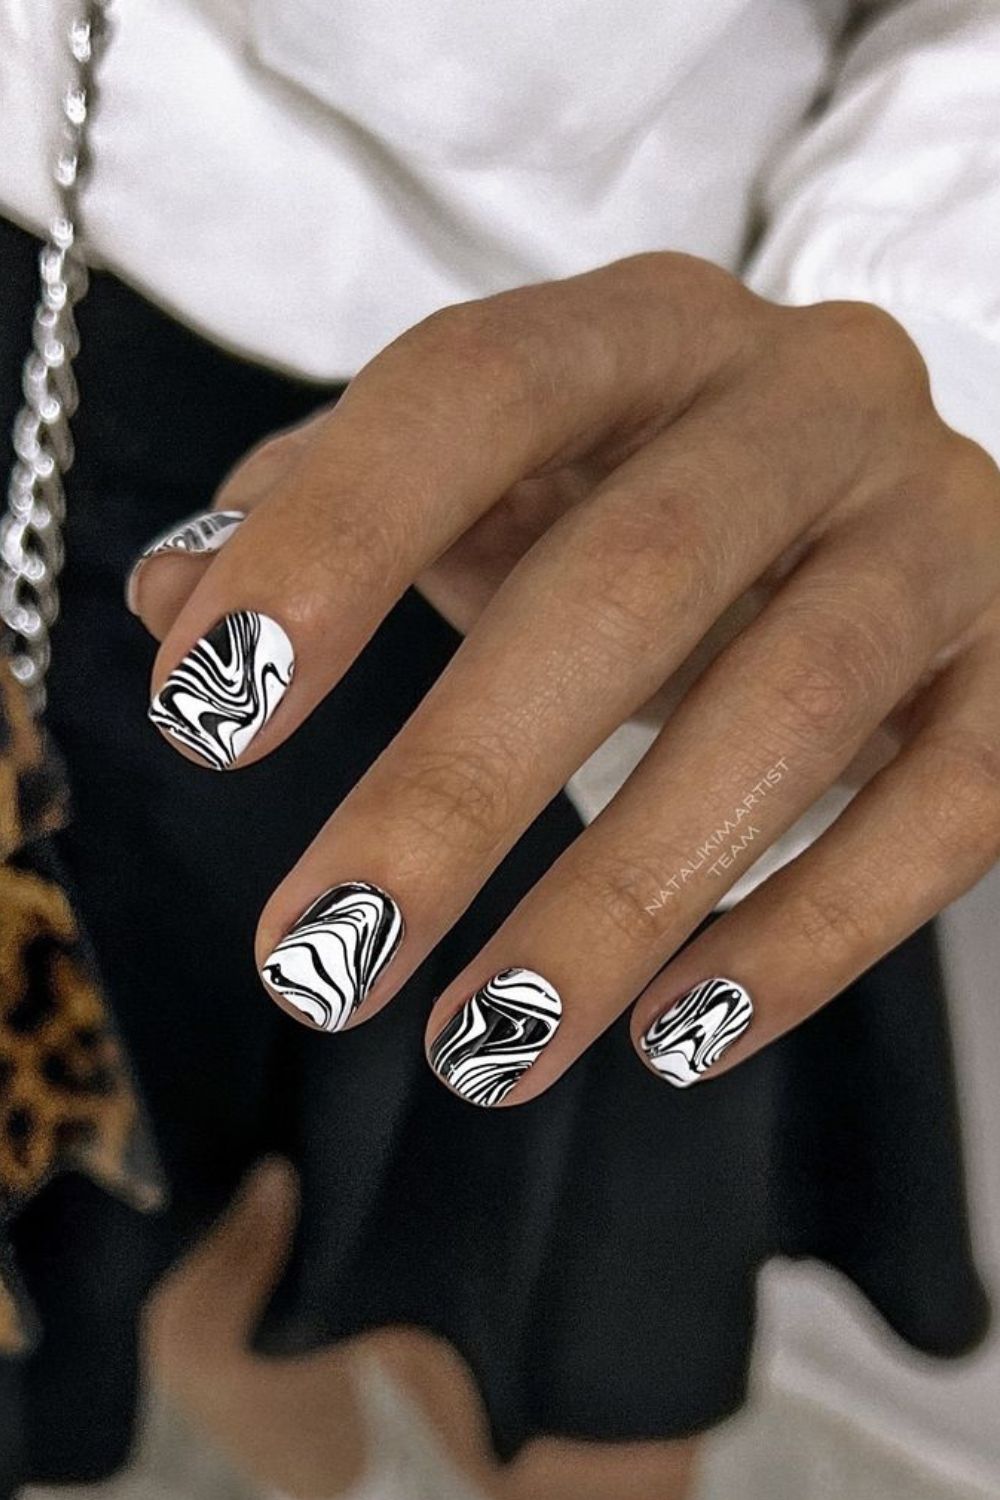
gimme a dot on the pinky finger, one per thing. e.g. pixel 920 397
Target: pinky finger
pixel 922 831
pixel 168 569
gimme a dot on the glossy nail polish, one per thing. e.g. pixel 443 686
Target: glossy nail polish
pixel 329 959
pixel 497 1035
pixel 227 687
pixel 687 1039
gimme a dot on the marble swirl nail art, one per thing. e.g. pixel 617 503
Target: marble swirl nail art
pixel 688 1038
pixel 226 688
pixel 328 961
pixel 206 531
pixel 498 1033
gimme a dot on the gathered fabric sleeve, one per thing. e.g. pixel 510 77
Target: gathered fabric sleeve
pixel 890 193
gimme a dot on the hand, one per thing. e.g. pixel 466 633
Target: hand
pixel 270 1416
pixel 600 476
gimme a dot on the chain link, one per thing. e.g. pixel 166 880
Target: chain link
pixel 31 541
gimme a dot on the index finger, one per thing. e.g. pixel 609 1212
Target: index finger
pixel 423 442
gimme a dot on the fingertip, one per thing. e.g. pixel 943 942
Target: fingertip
pixel 225 689
pixel 272 1185
pixel 483 1052
pixel 686 1036
pixel 169 568
pixel 325 966
pixel 158 588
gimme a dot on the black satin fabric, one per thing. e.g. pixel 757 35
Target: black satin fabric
pixel 593 1254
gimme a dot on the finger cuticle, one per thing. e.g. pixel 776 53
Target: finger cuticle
pixel 329 959
pixel 690 1036
pixel 500 1032
pixel 223 692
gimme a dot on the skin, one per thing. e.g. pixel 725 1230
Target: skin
pixel 271 1418
pixel 619 485
pixel 643 489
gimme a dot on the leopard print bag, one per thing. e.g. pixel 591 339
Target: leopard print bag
pixel 66 1099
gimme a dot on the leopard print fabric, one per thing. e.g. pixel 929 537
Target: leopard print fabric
pixel 65 1095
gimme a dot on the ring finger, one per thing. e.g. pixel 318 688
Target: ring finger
pixel 765 732
pixel 585 629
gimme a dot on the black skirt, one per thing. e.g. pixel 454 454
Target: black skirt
pixel 593 1254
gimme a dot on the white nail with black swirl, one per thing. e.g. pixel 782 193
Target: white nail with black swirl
pixel 328 961
pixel 497 1035
pixel 692 1035
pixel 204 532
pixel 227 687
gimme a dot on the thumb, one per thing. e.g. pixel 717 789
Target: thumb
pixel 208 1304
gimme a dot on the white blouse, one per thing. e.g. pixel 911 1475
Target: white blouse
pixel 300 180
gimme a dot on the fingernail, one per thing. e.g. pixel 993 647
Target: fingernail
pixel 497 1035
pixel 226 688
pixel 687 1039
pixel 328 961
pixel 206 531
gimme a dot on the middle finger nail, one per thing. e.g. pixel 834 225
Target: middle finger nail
pixel 497 1035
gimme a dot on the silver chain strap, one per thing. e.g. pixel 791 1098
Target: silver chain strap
pixel 31 543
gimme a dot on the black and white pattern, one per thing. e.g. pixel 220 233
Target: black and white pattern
pixel 226 688
pixel 205 532
pixel 498 1033
pixel 693 1034
pixel 328 961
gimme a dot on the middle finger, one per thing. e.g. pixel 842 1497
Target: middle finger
pixel 587 627
pixel 764 734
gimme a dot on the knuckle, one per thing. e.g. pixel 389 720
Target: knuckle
pixel 967 467
pixel 814 698
pixel 623 633
pixel 460 798
pixel 966 821
pixel 626 608
pixel 877 349
pixel 470 348
pixel 509 346
pixel 617 895
pixel 354 545
pixel 690 276
pixel 646 561
pixel 477 324
pixel 829 683
pixel 835 921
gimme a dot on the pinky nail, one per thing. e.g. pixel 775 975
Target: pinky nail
pixel 686 1040
pixel 206 531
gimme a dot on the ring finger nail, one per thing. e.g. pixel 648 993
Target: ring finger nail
pixel 685 1041
pixel 499 1032
pixel 329 959
pixel 227 687
pixel 206 531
